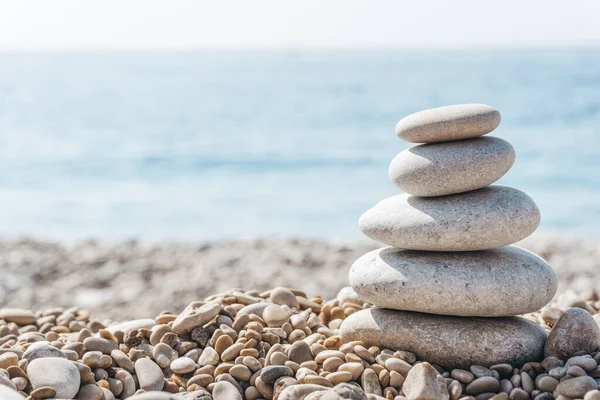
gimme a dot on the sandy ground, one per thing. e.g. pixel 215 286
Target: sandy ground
pixel 130 279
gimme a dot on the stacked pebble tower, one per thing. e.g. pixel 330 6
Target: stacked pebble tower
pixel 450 285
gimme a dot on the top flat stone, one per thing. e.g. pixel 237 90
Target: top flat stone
pixel 461 121
pixel 482 219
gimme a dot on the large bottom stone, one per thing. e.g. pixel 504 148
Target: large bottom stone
pixel 452 342
pixel 490 283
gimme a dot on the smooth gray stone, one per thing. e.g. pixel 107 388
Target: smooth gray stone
pixel 224 390
pixel 482 219
pixel 456 122
pixel 439 169
pixel 452 342
pixel 149 375
pixel 489 283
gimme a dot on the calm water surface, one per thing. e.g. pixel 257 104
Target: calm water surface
pixel 214 145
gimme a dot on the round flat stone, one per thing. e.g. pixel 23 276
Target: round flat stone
pixel 438 169
pixel 482 219
pixel 452 342
pixel 461 121
pixel 489 283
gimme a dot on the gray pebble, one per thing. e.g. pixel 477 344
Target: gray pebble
pixel 505 386
pixel 547 383
pixel 574 331
pixel 224 390
pixel 480 371
pixel 100 344
pixel 271 373
pixel 576 387
pixel 518 394
pixel 586 362
pixel 575 371
pixel 527 383
pixel 504 370
pixel 149 375
pixel 462 375
pixel 483 385
pixel 42 350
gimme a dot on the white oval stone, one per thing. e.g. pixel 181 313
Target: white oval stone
pixel 482 219
pixel 7 393
pixel 58 373
pixel 461 121
pixel 183 365
pixel 439 169
pixel 452 342
pixel 489 283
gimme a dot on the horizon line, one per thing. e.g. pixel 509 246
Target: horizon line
pixel 416 48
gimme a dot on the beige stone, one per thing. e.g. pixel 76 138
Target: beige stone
pixel 438 169
pixel 455 122
pixel 17 315
pixel 488 283
pixel 452 342
pixel 424 382
pixel 478 220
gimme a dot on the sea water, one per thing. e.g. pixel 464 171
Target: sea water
pixel 210 145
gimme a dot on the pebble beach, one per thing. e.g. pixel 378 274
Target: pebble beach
pixel 113 280
pixel 276 344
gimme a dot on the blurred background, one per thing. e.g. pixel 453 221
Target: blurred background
pixel 202 145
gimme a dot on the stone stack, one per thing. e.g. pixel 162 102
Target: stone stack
pixel 450 285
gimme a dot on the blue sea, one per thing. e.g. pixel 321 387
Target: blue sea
pixel 210 145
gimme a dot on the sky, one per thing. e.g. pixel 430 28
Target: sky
pixel 60 25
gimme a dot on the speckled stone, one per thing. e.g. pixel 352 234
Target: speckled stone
pixel 489 283
pixel 439 169
pixel 149 374
pixel 424 382
pixel 452 342
pixel 461 121
pixel 576 330
pixel 482 219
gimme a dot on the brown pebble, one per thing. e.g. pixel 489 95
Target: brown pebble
pixel 43 392
pixel 222 343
